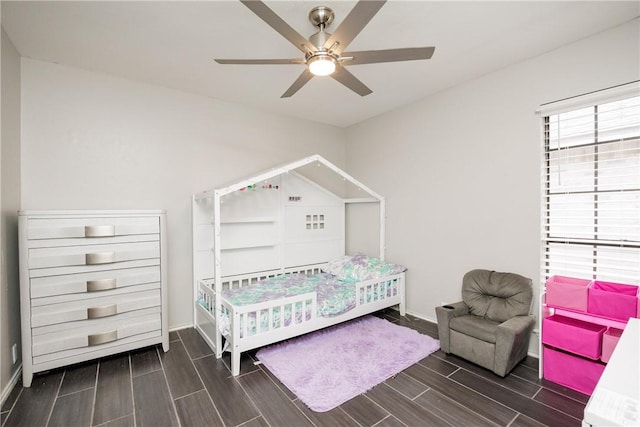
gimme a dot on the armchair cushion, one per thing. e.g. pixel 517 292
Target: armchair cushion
pixel 477 327
pixel 497 296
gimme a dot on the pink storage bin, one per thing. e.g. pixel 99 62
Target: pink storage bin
pixel 613 300
pixel 571 371
pixel 567 292
pixel 609 341
pixel 576 336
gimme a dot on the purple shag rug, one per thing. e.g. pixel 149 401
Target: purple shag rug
pixel 328 367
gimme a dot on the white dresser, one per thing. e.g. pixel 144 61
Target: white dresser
pixel 92 283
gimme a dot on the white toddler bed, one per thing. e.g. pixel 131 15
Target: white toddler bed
pixel 259 309
pixel 288 223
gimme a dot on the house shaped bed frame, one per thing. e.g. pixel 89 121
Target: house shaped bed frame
pixel 289 219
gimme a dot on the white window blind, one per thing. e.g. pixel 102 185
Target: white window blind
pixel 591 186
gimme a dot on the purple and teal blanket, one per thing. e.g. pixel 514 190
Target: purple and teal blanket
pixel 335 289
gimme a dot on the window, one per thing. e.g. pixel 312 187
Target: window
pixel 315 222
pixel 591 186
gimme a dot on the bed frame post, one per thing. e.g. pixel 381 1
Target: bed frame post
pixel 382 230
pixel 217 274
pixel 401 290
pixel 194 267
pixel 235 334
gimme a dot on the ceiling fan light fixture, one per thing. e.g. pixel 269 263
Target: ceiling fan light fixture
pixel 321 65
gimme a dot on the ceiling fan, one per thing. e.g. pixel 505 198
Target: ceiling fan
pixel 324 53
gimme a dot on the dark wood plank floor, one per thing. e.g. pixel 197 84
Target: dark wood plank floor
pixel 188 387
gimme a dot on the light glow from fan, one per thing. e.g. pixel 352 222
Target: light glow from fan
pixel 321 65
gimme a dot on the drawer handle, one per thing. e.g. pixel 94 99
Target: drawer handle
pixel 104 311
pixel 105 337
pixel 99 231
pixel 100 258
pixel 101 285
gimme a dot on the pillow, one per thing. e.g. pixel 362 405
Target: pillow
pixel 360 267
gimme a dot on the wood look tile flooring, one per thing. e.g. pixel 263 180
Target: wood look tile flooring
pixel 187 386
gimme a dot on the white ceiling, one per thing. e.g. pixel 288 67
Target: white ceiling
pixel 172 44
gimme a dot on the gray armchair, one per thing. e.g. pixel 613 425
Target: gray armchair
pixel 492 324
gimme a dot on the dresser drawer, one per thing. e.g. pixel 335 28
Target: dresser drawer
pixel 65 228
pixel 106 332
pixel 86 296
pixel 92 254
pixel 93 308
pixel 94 283
pixel 81 269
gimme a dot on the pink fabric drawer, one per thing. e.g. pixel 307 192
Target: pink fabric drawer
pixel 571 371
pixel 609 341
pixel 613 300
pixel 576 336
pixel 567 292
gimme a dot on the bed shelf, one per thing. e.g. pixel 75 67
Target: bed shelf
pixel 266 219
pixel 252 246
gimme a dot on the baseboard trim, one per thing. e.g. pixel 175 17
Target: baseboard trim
pixel 177 328
pixel 420 316
pixel 12 383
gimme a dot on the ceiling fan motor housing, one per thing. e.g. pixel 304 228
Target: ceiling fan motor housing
pixel 321 16
pixel 318 39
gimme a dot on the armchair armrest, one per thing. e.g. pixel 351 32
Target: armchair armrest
pixel 444 314
pixel 512 342
pixel 515 325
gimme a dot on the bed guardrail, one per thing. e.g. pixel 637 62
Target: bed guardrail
pixel 376 290
pixel 255 319
pixel 245 279
pixel 368 291
pixel 207 288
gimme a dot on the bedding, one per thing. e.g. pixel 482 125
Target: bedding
pixel 335 293
pixel 334 297
pixel 361 267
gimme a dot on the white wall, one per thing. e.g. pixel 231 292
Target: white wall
pixel 461 170
pixel 91 141
pixel 9 205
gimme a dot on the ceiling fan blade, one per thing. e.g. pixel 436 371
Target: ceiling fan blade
pixel 388 55
pixel 300 81
pixel 349 80
pixel 355 21
pixel 270 17
pixel 260 61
